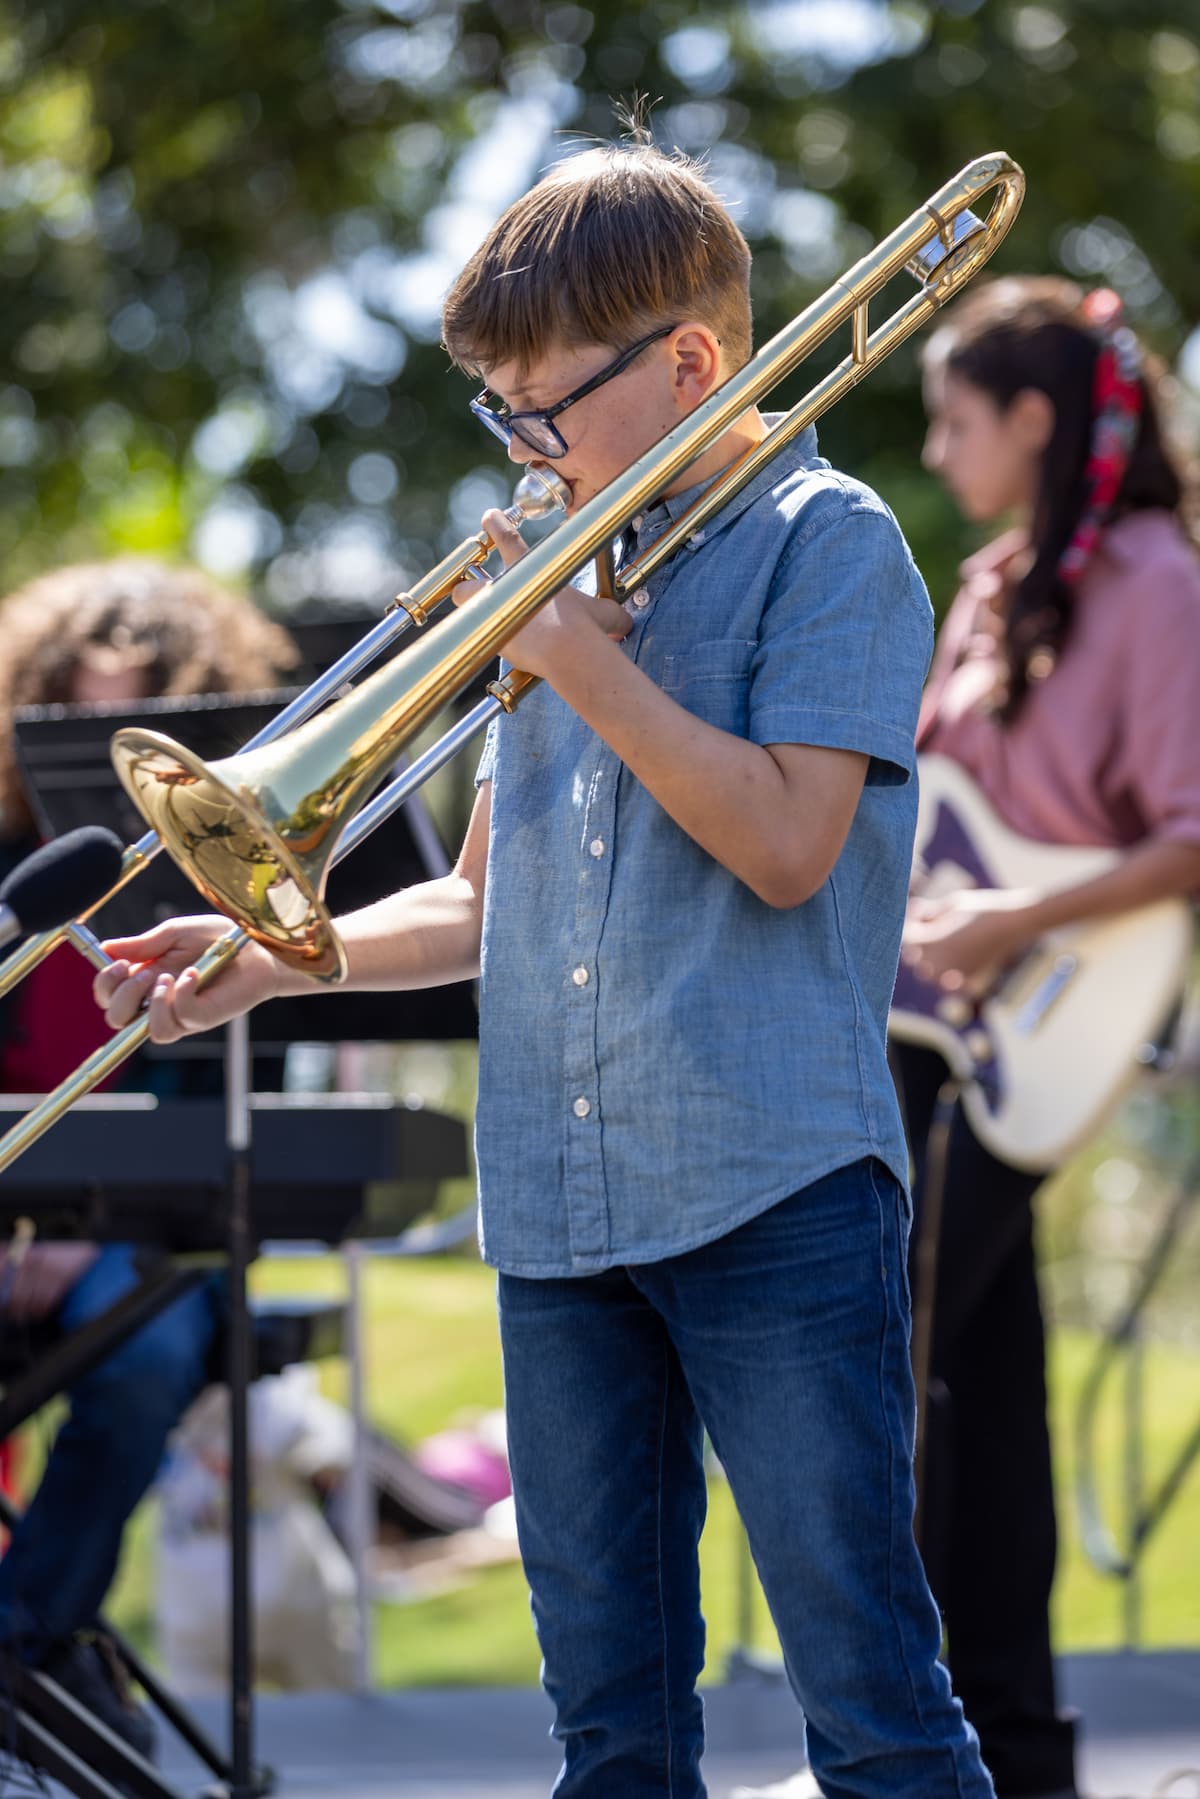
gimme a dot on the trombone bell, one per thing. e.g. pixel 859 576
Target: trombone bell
pixel 250 858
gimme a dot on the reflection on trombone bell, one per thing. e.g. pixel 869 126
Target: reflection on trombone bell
pixel 264 827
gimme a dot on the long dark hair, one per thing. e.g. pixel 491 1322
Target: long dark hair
pixel 1026 332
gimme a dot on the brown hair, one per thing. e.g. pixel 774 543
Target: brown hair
pixel 185 632
pixel 1028 331
pixel 610 244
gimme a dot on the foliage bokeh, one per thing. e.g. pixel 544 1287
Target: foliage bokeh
pixel 225 231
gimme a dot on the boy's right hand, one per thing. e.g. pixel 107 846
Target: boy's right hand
pixel 158 966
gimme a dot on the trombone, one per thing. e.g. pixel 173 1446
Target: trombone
pixel 258 832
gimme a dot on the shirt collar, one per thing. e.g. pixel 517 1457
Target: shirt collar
pixel 651 523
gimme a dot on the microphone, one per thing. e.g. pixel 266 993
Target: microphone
pixel 59 881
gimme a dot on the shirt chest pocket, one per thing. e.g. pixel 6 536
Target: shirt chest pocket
pixel 712 681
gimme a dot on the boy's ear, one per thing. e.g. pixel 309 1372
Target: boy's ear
pixel 697 352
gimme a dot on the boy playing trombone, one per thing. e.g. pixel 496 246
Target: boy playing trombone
pixel 683 885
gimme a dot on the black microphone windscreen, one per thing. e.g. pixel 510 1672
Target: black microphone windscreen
pixel 63 878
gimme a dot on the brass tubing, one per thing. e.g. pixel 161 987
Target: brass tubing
pixel 124 1043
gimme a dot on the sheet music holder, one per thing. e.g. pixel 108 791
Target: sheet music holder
pixel 64 756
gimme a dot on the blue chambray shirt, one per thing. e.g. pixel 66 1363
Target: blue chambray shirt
pixel 662 1055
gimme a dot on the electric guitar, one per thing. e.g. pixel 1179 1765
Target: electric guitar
pixel 1046 1050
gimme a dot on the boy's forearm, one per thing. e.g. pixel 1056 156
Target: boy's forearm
pixel 425 936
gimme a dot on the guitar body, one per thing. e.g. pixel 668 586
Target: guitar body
pixel 1047 1051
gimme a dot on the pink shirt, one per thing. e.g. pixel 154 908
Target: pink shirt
pixel 1105 750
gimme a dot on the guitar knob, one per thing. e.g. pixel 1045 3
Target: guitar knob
pixel 979 1046
pixel 954 1010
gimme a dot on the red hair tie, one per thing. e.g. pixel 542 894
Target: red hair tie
pixel 1116 413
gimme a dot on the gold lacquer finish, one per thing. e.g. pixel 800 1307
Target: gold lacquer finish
pixel 255 860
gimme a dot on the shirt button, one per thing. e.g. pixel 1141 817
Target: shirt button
pixel 581 1107
pixel 640 598
pixel 580 976
pixel 596 846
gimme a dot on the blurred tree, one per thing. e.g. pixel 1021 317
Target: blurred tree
pixel 225 230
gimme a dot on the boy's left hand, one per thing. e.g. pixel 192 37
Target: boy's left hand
pixel 962 940
pixel 562 626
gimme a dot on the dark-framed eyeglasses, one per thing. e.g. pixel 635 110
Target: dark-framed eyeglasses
pixel 537 430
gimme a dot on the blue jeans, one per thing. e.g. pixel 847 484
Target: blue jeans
pixel 63 1554
pixel 787 1340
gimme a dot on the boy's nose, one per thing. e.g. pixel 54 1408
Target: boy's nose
pixel 521 452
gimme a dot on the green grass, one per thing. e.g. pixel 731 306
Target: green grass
pixel 432 1358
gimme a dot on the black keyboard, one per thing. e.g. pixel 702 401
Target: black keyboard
pixel 326 1167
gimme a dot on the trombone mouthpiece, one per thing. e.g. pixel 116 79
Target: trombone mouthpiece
pixel 540 492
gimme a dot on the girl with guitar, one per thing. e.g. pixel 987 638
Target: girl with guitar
pixel 1065 688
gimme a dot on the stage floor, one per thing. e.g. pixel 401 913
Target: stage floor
pixel 1141 1725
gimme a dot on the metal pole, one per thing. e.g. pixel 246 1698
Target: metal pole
pixel 241 1617
pixel 361 1522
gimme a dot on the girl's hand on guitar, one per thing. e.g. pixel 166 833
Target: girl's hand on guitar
pixel 961 941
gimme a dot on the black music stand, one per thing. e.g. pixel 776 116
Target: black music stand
pixel 64 755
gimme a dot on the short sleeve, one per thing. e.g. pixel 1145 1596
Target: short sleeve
pixel 845 642
pixel 1161 749
pixel 487 760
